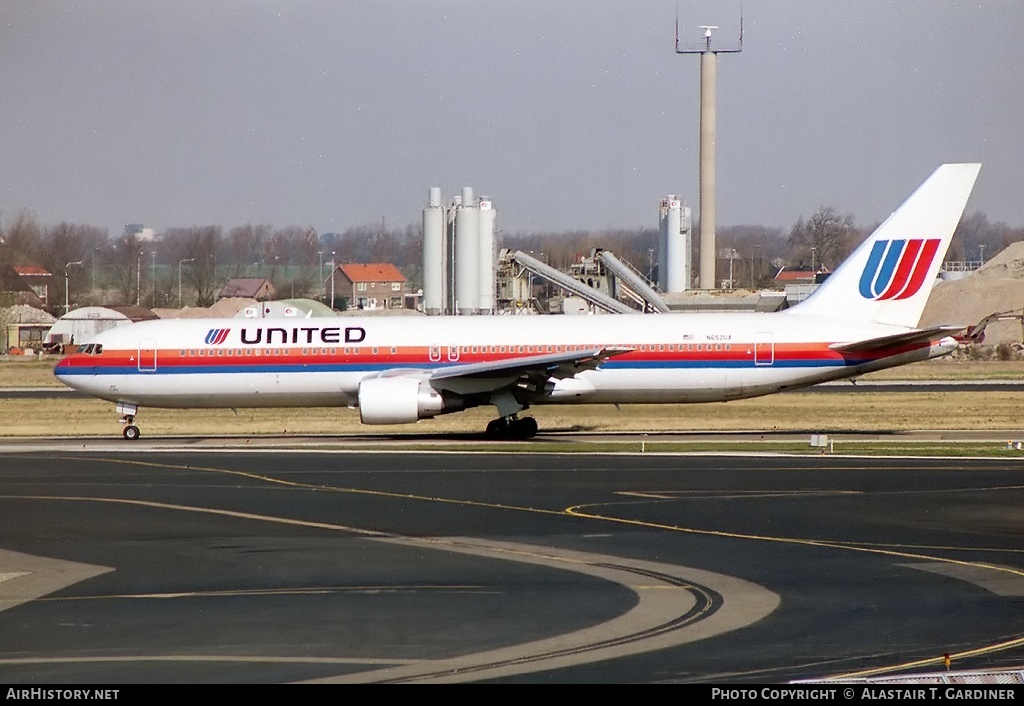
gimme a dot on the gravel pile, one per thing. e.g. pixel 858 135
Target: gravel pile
pixel 995 287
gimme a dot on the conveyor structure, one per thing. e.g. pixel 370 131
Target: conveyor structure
pixel 598 299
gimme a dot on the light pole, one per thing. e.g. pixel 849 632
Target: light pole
pixel 152 278
pixel 755 249
pixel 180 263
pixel 67 297
pixel 813 249
pixel 320 271
pixel 138 279
pixel 333 255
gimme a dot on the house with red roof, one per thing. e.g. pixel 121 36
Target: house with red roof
pixel 39 280
pixel 798 283
pixel 378 285
pixel 798 276
pixel 256 288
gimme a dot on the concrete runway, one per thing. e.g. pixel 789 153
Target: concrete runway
pixel 188 562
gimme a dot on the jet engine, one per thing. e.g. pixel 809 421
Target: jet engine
pixel 401 400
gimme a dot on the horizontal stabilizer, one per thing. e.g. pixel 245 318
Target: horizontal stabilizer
pixel 896 339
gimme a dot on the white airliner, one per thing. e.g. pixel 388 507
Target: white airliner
pixel 864 317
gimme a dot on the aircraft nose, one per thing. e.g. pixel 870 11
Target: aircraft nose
pixel 60 370
pixel 74 372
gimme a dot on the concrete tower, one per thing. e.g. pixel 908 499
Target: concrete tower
pixel 708 106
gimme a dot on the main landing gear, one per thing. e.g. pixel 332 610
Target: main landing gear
pixel 512 427
pixel 509 425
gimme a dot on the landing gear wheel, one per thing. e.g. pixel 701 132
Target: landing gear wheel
pixel 495 428
pixel 512 428
pixel 131 432
pixel 525 428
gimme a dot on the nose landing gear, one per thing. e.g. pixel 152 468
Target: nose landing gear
pixel 128 412
pixel 131 432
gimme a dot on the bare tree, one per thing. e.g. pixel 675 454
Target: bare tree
pixel 198 245
pixel 201 246
pixel 304 248
pixel 125 268
pixel 352 245
pixel 275 256
pixel 245 245
pixel 1006 235
pixel 976 238
pixel 825 239
pixel 307 246
pixel 756 247
pixel 62 244
pixel 292 253
pixel 409 257
pixel 22 240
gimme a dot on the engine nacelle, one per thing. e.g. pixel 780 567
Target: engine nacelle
pixel 398 400
pixel 570 389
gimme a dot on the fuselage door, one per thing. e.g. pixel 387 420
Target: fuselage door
pixel 147 355
pixel 764 348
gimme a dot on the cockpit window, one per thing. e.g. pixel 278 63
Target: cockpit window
pixel 91 349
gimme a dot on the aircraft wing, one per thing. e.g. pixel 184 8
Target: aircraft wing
pixel 490 376
pixel 896 339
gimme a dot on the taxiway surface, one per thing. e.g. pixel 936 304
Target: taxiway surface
pixel 161 565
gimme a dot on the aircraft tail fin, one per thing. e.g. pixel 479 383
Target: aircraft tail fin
pixel 889 277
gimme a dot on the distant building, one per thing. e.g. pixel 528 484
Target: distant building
pixel 249 288
pixel 23 328
pixel 79 325
pixel 39 281
pixel 787 276
pixel 799 283
pixel 140 231
pixel 15 290
pixel 371 286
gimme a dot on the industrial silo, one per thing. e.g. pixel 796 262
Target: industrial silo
pixel 434 251
pixel 663 242
pixel 467 254
pixel 674 241
pixel 488 256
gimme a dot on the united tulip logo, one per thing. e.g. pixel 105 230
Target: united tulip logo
pixel 217 336
pixel 896 269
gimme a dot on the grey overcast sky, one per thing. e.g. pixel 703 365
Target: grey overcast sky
pixel 569 114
